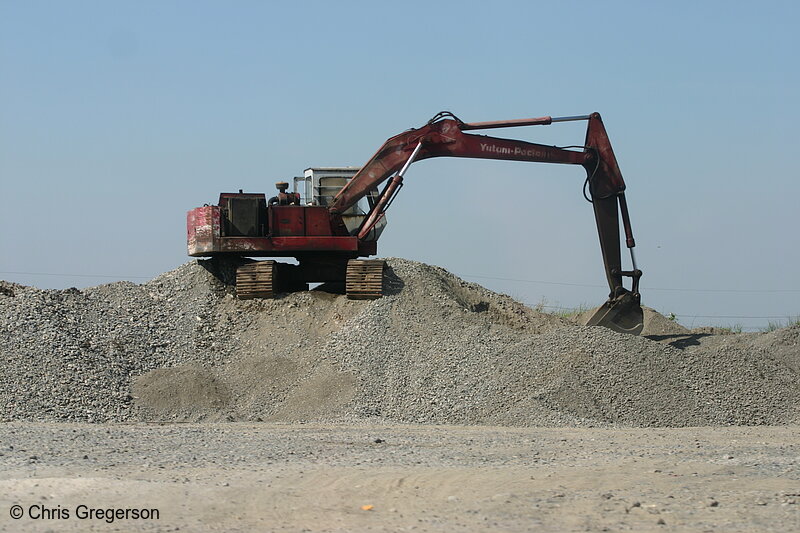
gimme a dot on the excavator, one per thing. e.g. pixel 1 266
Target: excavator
pixel 337 219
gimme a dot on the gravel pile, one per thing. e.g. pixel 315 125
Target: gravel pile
pixel 435 350
pixel 71 354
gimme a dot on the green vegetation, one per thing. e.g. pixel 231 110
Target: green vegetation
pixel 735 328
pixel 556 310
pixel 571 311
pixel 778 324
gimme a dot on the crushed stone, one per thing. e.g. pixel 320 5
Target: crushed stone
pixel 435 350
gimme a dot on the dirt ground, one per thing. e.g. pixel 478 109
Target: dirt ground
pixel 270 477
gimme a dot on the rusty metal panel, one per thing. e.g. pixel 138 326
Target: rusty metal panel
pixel 243 217
pixel 287 220
pixel 243 214
pixel 318 221
pixel 204 238
pixel 311 244
pixel 202 230
pixel 279 246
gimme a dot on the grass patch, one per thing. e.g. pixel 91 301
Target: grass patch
pixel 569 312
pixel 778 324
pixel 560 311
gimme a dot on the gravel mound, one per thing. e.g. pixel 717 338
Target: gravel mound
pixel 436 349
pixel 70 354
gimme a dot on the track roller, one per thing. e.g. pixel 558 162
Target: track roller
pixel 256 280
pixel 364 279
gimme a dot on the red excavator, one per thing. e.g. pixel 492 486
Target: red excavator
pixel 341 214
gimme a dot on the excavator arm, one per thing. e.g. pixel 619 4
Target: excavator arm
pixel 444 136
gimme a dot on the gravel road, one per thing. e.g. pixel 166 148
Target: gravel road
pixel 276 477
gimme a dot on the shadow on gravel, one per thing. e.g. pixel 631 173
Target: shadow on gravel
pixel 680 341
pixel 6 289
pixel 332 287
pixel 392 284
pixel 224 270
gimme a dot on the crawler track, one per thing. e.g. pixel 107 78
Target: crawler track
pixel 364 279
pixel 256 280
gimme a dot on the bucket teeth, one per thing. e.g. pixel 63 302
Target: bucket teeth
pixel 364 279
pixel 256 280
pixel 622 314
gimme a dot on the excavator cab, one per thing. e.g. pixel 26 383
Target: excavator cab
pixel 319 186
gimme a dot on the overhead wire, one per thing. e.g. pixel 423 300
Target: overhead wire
pixel 478 276
pixel 678 289
pixel 73 275
pixel 776 317
pixel 558 307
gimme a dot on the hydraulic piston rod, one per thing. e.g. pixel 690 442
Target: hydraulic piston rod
pixel 570 119
pixel 540 121
pixel 388 193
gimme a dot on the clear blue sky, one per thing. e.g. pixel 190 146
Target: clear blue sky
pixel 118 117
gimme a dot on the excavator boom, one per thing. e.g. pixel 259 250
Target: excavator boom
pixel 443 136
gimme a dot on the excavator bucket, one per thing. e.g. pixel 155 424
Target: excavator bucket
pixel 622 314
